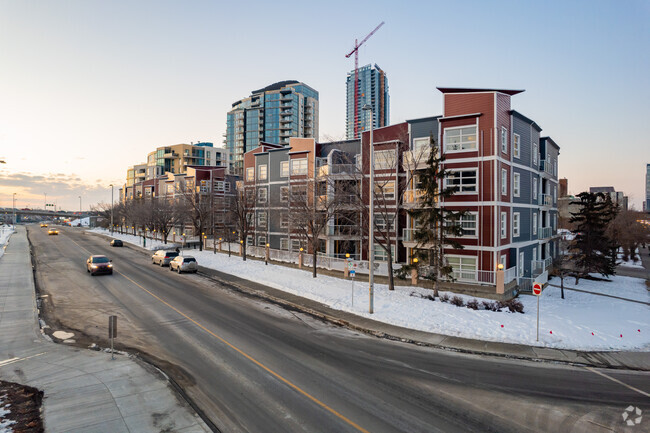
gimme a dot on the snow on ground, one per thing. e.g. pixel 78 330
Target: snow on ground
pixel 5 424
pixel 630 263
pixel 580 321
pixel 84 222
pixel 5 233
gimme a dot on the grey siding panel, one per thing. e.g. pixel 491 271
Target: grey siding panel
pixel 523 130
pixel 424 128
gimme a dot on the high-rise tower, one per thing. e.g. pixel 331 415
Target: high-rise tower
pixel 373 90
pixel 272 114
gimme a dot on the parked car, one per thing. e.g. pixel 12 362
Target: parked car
pixel 52 232
pixel 116 243
pixel 162 257
pixel 184 264
pixel 97 264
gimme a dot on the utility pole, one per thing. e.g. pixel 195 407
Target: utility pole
pixel 111 209
pixel 371 218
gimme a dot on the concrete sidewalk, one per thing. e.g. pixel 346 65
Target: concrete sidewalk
pixel 603 359
pixel 84 390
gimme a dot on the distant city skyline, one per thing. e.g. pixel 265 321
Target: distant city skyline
pixel 82 101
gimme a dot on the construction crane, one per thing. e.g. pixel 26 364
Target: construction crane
pixel 355 51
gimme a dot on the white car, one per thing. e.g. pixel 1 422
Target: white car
pixel 184 264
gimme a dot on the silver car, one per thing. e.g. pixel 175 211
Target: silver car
pixel 162 257
pixel 184 264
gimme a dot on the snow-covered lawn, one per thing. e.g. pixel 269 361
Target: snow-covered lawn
pixel 630 263
pixel 137 240
pixel 5 232
pixel 580 321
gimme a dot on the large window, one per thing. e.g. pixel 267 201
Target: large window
pixel 535 152
pixel 504 140
pixel 534 223
pixel 461 181
pixel 516 145
pixel 284 244
pixel 468 223
pixel 381 255
pixel 250 174
pixel 516 188
pixel 284 169
pixel 284 194
pixel 504 181
pixel 535 192
pixel 457 139
pixel 516 218
pixel 299 166
pixel 385 160
pixel 421 147
pixel 520 264
pixel 284 220
pixel 261 219
pixel 386 190
pixel 261 172
pixel 464 268
pixel 504 225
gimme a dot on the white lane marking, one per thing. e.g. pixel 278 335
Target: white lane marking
pixel 12 360
pixel 618 381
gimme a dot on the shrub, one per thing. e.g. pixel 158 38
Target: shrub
pixel 489 305
pixel 444 297
pixel 429 297
pixel 515 306
pixel 473 304
pixel 500 305
pixel 457 301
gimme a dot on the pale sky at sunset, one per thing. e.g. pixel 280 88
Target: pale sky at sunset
pixel 88 88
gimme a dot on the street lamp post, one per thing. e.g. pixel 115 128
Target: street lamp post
pixel 371 217
pixel 111 209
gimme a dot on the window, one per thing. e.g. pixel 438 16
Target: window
pixel 520 264
pixel 464 268
pixel 386 190
pixel 534 192
pixel 284 169
pixel 284 194
pixel 534 223
pixel 299 166
pixel 381 255
pixel 504 139
pixel 421 147
pixel 284 221
pixel 468 224
pixel 249 240
pixel 504 260
pixel 504 225
pixel 516 145
pixel 382 223
pixel 504 181
pixel 535 154
pixel 554 194
pixel 295 245
pixel 385 160
pixel 516 217
pixel 250 174
pixel 261 241
pixel 284 244
pixel 299 193
pixel 261 195
pixel 261 219
pixel 261 172
pixel 516 189
pixel 461 181
pixel 457 139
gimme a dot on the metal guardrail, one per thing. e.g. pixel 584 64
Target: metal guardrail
pixel 544 232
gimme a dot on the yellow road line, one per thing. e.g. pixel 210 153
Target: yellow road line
pixel 618 381
pixel 247 356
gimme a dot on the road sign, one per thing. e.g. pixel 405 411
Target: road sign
pixel 350 265
pixel 112 326
pixel 352 273
pixel 537 288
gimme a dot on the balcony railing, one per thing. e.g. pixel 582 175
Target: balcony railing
pixel 343 230
pixel 413 196
pixel 545 200
pixel 328 169
pixel 408 235
pixel 544 232
pixel 546 167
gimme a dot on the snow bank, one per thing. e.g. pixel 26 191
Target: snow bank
pixel 5 426
pixel 137 240
pixel 5 233
pixel 580 321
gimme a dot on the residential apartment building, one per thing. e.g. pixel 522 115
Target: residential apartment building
pixel 646 203
pixel 273 115
pixel 372 90
pixel 503 169
pixel 618 197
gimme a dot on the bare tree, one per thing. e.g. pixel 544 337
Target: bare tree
pixel 164 216
pixel 195 204
pixel 628 231
pixel 242 210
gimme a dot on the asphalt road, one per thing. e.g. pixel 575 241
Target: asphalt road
pixel 255 367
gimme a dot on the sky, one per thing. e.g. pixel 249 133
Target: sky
pixel 88 87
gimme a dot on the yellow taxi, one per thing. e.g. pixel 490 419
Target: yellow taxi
pixel 52 232
pixel 43 225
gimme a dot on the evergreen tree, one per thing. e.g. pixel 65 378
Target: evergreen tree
pixel 436 226
pixel 592 250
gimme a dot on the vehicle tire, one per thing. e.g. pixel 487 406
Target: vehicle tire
pixel 110 273
pixel 170 268
pixel 179 270
pixel 161 264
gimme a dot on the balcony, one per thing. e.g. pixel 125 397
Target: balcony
pixel 408 235
pixel 545 200
pixel 546 167
pixel 343 230
pixel 545 232
pixel 413 196
pixel 337 169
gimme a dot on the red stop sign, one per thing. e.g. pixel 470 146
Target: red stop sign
pixel 537 289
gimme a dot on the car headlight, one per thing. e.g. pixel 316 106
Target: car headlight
pixel 110 266
pixel 93 266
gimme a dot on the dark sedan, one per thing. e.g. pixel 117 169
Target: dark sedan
pixel 116 243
